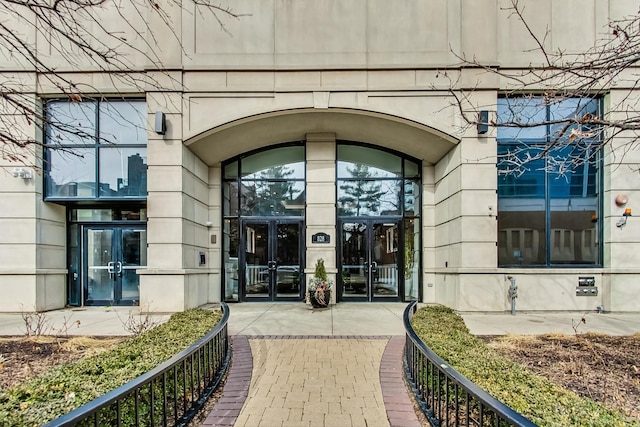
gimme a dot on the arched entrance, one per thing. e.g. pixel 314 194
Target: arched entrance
pixel 254 224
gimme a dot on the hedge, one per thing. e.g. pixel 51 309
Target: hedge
pixel 534 396
pixel 69 386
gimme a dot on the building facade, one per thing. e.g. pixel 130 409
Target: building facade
pixel 317 130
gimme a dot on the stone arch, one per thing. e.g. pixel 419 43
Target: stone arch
pixel 415 139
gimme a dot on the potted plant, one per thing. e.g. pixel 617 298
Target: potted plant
pixel 319 288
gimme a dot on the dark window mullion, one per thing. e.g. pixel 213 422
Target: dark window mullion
pixel 547 192
pixel 97 150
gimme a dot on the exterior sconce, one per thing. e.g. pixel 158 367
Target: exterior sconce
pixel 621 200
pixel 22 173
pixel 623 220
pixel 483 122
pixel 160 125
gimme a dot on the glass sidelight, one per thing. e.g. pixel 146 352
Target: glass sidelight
pixel 111 257
pixel 370 260
pixel 272 260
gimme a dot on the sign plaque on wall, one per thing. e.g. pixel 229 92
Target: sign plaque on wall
pixel 320 238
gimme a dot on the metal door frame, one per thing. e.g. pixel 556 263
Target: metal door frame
pixel 272 247
pixel 117 253
pixel 369 294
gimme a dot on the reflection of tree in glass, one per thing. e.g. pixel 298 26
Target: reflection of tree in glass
pixel 362 195
pixel 272 188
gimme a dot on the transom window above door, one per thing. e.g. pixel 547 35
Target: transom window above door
pixel 373 182
pixel 95 150
pixel 267 183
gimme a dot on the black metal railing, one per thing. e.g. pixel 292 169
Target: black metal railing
pixel 446 397
pixel 169 395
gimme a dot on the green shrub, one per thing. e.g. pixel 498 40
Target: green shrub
pixel 72 385
pixel 533 396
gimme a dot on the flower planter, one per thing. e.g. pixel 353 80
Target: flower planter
pixel 315 303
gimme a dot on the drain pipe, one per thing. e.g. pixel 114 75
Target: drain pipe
pixel 513 294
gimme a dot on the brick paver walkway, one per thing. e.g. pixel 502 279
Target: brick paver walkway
pixel 315 381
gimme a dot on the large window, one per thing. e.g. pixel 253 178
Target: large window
pixel 96 150
pixel 378 207
pixel 268 183
pixel 548 185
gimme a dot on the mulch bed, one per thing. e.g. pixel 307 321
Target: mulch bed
pixel 602 367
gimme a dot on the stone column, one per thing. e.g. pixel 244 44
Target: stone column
pixel 321 204
pixel 177 206
pixel 33 238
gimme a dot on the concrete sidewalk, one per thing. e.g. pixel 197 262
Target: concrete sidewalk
pixel 350 319
pixel 543 323
pixel 344 319
pixel 95 321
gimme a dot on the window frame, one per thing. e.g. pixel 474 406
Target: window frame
pixel 595 160
pixel 96 146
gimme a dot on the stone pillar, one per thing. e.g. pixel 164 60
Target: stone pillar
pixel 33 239
pixel 321 204
pixel 177 211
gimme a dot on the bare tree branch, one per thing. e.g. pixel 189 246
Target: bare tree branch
pixel 561 76
pixel 45 39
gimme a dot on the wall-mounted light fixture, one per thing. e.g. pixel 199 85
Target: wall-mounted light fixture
pixel 160 125
pixel 22 173
pixel 623 220
pixel 483 122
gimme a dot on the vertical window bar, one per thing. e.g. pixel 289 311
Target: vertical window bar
pixel 96 144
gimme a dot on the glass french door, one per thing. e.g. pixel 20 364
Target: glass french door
pixel 111 256
pixel 370 260
pixel 271 260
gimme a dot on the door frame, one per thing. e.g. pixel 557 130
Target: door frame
pixel 369 295
pixel 117 253
pixel 272 225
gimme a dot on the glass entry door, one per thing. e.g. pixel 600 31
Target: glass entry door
pixel 272 260
pixel 112 255
pixel 369 260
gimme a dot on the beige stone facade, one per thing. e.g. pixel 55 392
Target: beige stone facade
pixel 373 71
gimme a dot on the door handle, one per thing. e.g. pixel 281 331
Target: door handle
pixel 111 269
pixel 119 265
pixel 272 265
pixel 374 266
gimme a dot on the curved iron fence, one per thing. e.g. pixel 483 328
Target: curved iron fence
pixel 169 395
pixel 446 397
